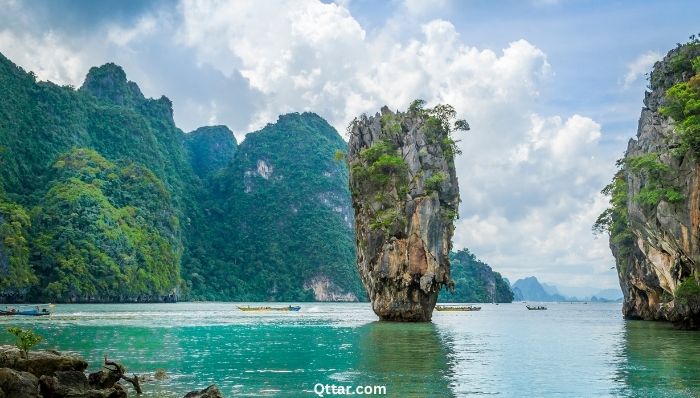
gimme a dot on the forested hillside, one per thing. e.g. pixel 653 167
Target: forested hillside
pixel 475 281
pixel 289 235
pixel 103 198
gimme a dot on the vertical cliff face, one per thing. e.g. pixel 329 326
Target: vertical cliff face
pixel 654 221
pixel 405 195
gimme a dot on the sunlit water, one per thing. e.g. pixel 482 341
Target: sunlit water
pixel 570 350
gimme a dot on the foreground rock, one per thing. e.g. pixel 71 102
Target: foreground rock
pixel 210 392
pixel 654 221
pixel 74 384
pixel 52 374
pixel 40 363
pixel 405 196
pixel 18 384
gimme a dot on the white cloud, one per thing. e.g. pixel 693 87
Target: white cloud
pixel 46 55
pixel 641 65
pixel 122 36
pixel 423 7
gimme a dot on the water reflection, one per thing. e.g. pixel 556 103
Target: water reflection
pixel 657 361
pixel 410 359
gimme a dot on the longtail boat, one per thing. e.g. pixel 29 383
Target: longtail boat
pixel 536 308
pixel 457 308
pixel 27 312
pixel 287 308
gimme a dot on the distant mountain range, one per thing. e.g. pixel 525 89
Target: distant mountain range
pixel 530 289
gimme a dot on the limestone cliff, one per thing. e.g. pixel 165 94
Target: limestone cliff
pixel 405 197
pixel 654 221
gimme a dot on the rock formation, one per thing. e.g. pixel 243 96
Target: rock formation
pixel 51 374
pixel 654 220
pixel 405 197
pixel 210 392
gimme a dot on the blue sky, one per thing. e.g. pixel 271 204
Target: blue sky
pixel 552 90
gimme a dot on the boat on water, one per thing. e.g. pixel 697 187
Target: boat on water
pixel 536 307
pixel 294 308
pixel 26 312
pixel 457 308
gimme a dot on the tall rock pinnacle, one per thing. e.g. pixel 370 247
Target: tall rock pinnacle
pixel 405 196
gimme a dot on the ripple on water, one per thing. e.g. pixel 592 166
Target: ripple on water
pixel 569 350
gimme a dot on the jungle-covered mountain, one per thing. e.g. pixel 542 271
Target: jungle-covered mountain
pixel 475 281
pixel 103 198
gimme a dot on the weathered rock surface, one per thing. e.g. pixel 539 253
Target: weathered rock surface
pixel 51 374
pixel 405 197
pixel 662 248
pixel 74 384
pixel 40 362
pixel 18 384
pixel 210 392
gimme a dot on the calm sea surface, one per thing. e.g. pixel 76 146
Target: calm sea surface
pixel 570 350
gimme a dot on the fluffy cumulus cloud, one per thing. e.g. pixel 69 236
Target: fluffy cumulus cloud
pixel 529 182
pixel 46 55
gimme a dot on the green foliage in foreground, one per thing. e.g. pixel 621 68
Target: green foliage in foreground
pixel 474 281
pixel 25 339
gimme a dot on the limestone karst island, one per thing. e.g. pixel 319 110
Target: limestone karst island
pixel 309 198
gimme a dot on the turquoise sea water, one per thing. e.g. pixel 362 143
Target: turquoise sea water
pixel 570 350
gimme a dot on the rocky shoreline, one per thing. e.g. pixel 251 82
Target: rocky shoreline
pixel 53 374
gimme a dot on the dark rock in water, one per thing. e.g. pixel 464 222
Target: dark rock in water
pixel 74 384
pixel 40 362
pixel 210 392
pixel 405 196
pixel 18 384
pixel 655 215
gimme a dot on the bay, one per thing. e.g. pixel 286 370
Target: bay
pixel 570 350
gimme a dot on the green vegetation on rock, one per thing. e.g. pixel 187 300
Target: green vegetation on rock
pixel 688 289
pixel 615 219
pixel 682 104
pixel 654 190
